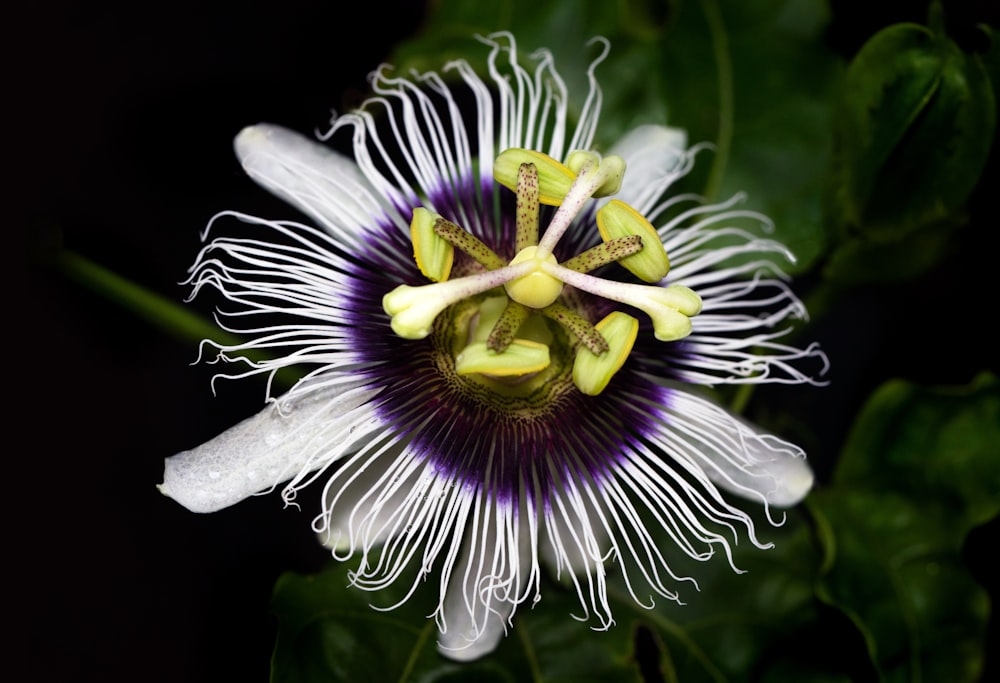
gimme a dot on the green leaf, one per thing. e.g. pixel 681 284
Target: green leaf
pixel 329 632
pixel 931 444
pixel 756 80
pixel 758 625
pixel 861 261
pixel 920 469
pixel 916 124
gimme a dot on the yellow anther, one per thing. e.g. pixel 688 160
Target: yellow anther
pixel 554 179
pixel 617 219
pixel 433 254
pixel 522 357
pixel 592 372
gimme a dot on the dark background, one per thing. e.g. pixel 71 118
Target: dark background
pixel 128 115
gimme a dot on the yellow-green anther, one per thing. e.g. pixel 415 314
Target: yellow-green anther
pixel 489 313
pixel 468 243
pixel 579 326
pixel 535 329
pixel 611 169
pixel 434 256
pixel 506 326
pixel 526 234
pixel 554 179
pixel 617 219
pixel 592 372
pixel 520 358
pixel 536 289
pixel 604 253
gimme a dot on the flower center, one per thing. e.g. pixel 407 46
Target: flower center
pixel 509 339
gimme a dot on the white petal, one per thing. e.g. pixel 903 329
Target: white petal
pixel 461 642
pixel 368 497
pixel 310 176
pixel 486 583
pixel 771 468
pixel 654 157
pixel 783 480
pixel 282 441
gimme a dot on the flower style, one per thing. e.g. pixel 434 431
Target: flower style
pixel 503 331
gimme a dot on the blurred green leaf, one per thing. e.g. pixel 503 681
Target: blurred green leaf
pixel 915 126
pixel 757 625
pixel 329 632
pixel 920 469
pixel 757 79
pixel 861 261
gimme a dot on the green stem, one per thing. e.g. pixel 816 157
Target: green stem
pixel 529 652
pixel 175 320
pixel 724 65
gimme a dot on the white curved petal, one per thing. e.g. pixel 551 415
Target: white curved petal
pixel 739 458
pixel 311 177
pixel 486 583
pixel 467 639
pixel 783 479
pixel 282 441
pixel 654 157
pixel 367 500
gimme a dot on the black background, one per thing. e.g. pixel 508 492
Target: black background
pixel 123 119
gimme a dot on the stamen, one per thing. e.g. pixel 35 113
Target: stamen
pixel 489 312
pixel 527 206
pixel 578 325
pixel 522 357
pixel 554 179
pixel 668 307
pixel 604 253
pixel 592 372
pixel 507 326
pixel 468 243
pixel 413 309
pixel 617 219
pixel 434 256
pixel 594 177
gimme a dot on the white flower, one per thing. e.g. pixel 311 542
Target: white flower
pixel 476 404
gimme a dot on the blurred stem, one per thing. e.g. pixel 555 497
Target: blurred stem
pixel 741 398
pixel 529 653
pixel 418 648
pixel 175 320
pixel 724 66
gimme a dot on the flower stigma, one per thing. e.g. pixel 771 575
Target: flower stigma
pixel 506 304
